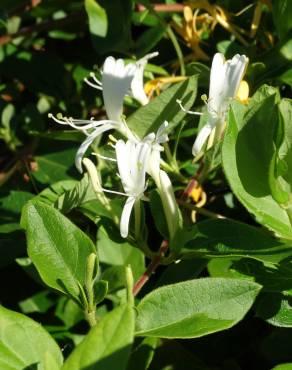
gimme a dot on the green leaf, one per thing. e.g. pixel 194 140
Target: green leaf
pixel 24 343
pixel 81 193
pixel 142 356
pixel 273 278
pixel 57 248
pixel 247 151
pixel 275 308
pixel 195 308
pixel 228 238
pixel 97 18
pixel 287 366
pixel 39 302
pixel 282 11
pixel 56 165
pixel 107 345
pixel 118 32
pixel 114 250
pixel 164 107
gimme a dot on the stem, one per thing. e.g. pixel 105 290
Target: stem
pixel 177 48
pixel 167 8
pixel 152 9
pixel 151 268
pixel 203 211
pixel 90 318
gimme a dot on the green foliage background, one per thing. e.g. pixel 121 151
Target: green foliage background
pixel 47 48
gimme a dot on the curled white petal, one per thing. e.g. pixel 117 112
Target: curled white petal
pixel 137 85
pixel 93 175
pixel 201 138
pixel 161 135
pixel 225 78
pixel 87 142
pixel 125 217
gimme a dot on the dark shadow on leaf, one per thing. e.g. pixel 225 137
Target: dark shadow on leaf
pixel 115 361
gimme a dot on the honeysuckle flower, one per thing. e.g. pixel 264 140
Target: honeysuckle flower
pixel 225 79
pixel 132 159
pixel 116 81
pixel 137 85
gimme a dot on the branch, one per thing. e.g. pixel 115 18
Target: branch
pixel 151 268
pixel 167 8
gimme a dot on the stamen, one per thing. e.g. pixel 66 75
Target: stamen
pixel 95 86
pixel 179 102
pixel 115 192
pixel 104 157
pixel 92 75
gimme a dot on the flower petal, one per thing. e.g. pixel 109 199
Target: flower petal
pixel 116 81
pixel 86 143
pixel 201 138
pixel 125 217
pixel 137 85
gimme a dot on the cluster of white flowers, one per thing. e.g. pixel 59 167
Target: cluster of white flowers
pixel 138 157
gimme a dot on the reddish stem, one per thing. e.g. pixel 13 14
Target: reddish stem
pixel 169 8
pixel 151 268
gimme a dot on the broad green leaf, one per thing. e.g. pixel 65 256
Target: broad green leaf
pixel 195 308
pixel 97 18
pixel 228 238
pixel 287 366
pixel 275 308
pixel 25 343
pixel 107 345
pixel 57 247
pixel 164 107
pixel 247 151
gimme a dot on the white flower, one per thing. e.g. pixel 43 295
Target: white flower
pixel 116 81
pixel 225 79
pixel 137 85
pixel 132 160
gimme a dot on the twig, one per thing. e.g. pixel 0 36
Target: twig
pixel 151 268
pixel 167 8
